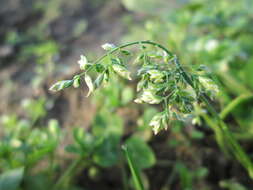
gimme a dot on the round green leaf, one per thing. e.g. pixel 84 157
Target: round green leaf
pixel 107 153
pixel 142 155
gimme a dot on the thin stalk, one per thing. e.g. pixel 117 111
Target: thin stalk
pixel 126 45
pixel 234 85
pixel 134 170
pixel 217 131
pixel 170 179
pixel 235 103
pixel 228 138
pixel 51 164
pixel 244 136
pixel 124 176
pixel 227 141
pixel 68 173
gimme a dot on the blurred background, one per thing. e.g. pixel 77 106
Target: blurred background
pixel 42 134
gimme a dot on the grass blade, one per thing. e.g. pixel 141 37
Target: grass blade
pixel 234 104
pixel 134 170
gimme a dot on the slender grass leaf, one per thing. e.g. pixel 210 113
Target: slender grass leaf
pixel 134 170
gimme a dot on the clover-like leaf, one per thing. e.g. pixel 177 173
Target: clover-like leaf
pixel 107 153
pixel 141 153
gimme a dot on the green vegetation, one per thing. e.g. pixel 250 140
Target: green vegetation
pixel 170 108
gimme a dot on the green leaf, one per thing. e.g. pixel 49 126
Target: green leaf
pixel 144 120
pixel 127 95
pixel 40 153
pixel 107 153
pixel 78 134
pixel 77 81
pixel 159 121
pixel 54 129
pixel 106 123
pixel 121 70
pixel 201 172
pixel 146 6
pixel 60 85
pixel 247 73
pixel 134 170
pixel 195 134
pixel 40 181
pixel 89 83
pixel 84 141
pixel 108 46
pixel 185 175
pixel 141 84
pixel 10 180
pixel 99 81
pixel 83 62
pixel 141 153
pixel 99 68
pixel 156 76
pixel 125 52
pixel 72 149
pixel 148 96
pixel 231 185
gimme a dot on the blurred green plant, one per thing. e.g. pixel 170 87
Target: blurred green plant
pixel 11 179
pixel 231 185
pixel 100 148
pixel 23 146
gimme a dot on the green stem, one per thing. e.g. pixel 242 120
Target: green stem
pixel 126 45
pixel 236 102
pixel 51 164
pixel 134 170
pixel 228 143
pixel 68 173
pixel 218 133
pixel 228 138
pixel 124 176
pixel 234 85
